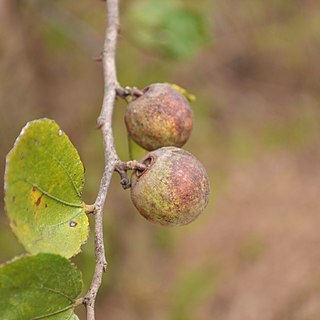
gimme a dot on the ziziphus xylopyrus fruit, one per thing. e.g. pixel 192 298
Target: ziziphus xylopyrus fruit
pixel 160 117
pixel 173 190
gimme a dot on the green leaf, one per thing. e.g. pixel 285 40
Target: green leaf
pixel 43 183
pixel 169 27
pixel 66 315
pixel 44 286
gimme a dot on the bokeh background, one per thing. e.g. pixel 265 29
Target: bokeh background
pixel 254 67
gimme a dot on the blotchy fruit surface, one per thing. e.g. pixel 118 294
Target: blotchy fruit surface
pixel 174 189
pixel 160 117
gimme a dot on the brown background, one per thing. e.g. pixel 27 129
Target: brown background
pixel 255 251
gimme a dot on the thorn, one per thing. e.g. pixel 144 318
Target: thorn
pixel 98 58
pixel 101 122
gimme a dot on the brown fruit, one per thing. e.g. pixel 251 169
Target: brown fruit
pixel 173 190
pixel 160 117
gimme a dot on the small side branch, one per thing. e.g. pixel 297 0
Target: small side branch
pixel 123 167
pixel 126 92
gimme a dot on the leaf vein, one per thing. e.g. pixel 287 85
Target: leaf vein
pixel 68 220
pixel 53 313
pixel 77 205
pixel 65 170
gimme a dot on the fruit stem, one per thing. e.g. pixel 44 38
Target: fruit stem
pixel 128 93
pixel 123 167
pixel 131 165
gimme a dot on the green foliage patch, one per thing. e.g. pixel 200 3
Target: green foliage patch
pixel 169 27
pixel 43 183
pixel 44 286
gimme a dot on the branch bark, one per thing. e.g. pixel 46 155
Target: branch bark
pixel 111 158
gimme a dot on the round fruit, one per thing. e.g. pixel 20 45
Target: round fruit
pixel 173 190
pixel 160 117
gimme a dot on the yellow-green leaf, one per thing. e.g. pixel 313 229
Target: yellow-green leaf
pixel 43 184
pixel 44 286
pixel 190 97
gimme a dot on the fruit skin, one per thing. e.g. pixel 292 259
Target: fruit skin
pixel 160 117
pixel 174 189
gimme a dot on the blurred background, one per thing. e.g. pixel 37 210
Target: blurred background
pixel 254 68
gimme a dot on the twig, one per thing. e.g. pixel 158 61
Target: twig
pixel 112 161
pixel 111 157
pixel 123 167
pixel 127 91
